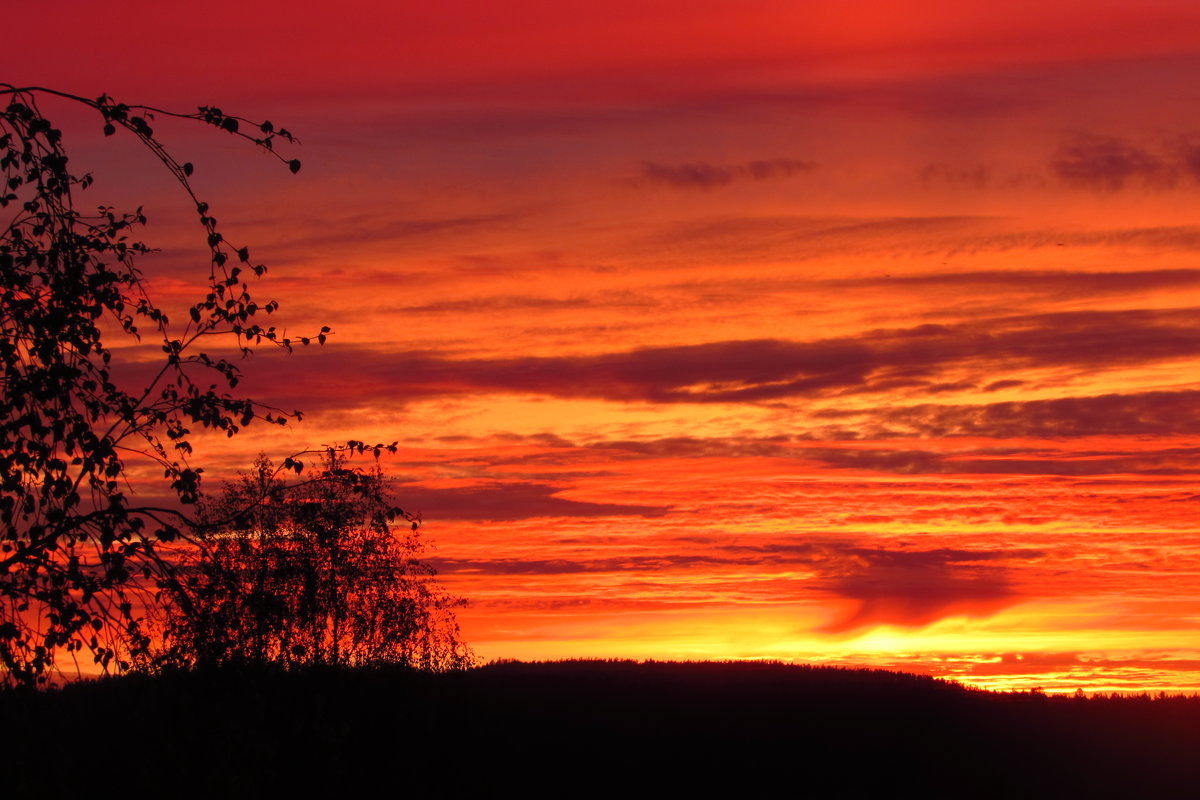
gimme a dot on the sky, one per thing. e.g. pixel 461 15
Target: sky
pixel 855 333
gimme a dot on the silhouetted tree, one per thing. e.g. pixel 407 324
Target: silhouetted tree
pixel 78 557
pixel 323 572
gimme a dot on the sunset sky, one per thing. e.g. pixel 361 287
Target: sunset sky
pixel 853 332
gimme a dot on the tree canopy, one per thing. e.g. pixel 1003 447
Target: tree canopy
pixel 325 571
pixel 81 560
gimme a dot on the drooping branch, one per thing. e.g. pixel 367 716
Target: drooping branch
pixel 73 550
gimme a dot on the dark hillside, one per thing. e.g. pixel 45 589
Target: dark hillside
pixel 595 728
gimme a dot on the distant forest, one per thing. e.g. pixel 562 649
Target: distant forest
pixel 594 728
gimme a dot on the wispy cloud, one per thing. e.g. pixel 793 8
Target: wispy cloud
pixel 705 176
pixel 1011 461
pixel 1109 163
pixel 895 587
pixel 1159 413
pixel 1040 282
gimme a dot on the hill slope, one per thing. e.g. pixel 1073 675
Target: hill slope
pixel 595 728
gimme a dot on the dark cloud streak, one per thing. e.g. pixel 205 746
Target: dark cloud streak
pixel 924 358
pixel 509 501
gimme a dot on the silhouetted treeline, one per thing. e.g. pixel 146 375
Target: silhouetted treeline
pixel 596 728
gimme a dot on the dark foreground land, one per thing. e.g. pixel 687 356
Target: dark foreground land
pixel 591 728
